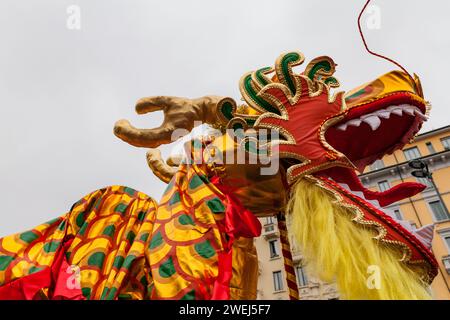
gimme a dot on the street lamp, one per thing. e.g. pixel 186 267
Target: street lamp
pixel 422 171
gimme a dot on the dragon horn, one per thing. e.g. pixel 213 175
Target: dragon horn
pixel 180 114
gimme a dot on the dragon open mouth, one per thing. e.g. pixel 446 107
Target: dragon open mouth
pixel 369 131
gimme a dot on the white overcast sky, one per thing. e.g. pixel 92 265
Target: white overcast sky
pixel 61 90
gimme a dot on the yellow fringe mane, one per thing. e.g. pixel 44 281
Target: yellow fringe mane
pixel 336 249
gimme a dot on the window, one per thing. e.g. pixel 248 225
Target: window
pixel 269 220
pixel 383 185
pixel 438 210
pixel 424 181
pixel 447 240
pixel 430 147
pixel 446 143
pixel 378 164
pixel 445 235
pixel 412 153
pixel 277 281
pixel 302 278
pixel 398 215
pixel 273 246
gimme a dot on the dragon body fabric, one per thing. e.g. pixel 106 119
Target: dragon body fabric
pixel 197 242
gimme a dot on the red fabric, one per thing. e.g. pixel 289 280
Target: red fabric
pixel 395 231
pixel 311 113
pixel 27 287
pixel 202 291
pixel 55 278
pixel 221 289
pixel 239 222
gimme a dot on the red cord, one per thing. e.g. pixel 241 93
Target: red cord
pixel 374 53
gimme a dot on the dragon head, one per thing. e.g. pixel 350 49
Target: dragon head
pixel 323 137
pixel 321 131
pixel 328 137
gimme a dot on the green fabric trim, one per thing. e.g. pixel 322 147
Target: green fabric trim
pixel 96 259
pixel 185 219
pixel 259 75
pixel 28 236
pixel 227 110
pixel 321 65
pixel 285 68
pixel 5 261
pixel 204 249
pixel 216 205
pixel 156 241
pixel 167 268
pixel 253 95
pixel 356 94
pixel 331 80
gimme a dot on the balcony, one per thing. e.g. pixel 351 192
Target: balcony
pixel 446 262
pixel 318 291
pixel 296 254
pixel 270 231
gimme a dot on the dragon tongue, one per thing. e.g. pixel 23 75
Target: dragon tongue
pixel 396 193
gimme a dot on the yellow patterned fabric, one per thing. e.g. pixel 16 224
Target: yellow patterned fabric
pixel 109 228
pixel 186 237
pixel 187 240
pixel 121 245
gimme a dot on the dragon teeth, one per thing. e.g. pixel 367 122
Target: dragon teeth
pixel 409 110
pixel 397 110
pixel 383 114
pixel 354 122
pixel 421 115
pixel 374 119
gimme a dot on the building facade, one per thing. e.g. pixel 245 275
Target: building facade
pixel 272 277
pixel 433 147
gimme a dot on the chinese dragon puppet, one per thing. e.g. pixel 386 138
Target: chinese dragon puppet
pixel 197 242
